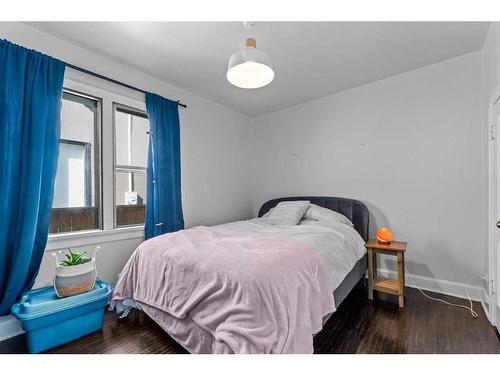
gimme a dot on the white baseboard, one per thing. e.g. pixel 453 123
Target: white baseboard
pixel 450 288
pixel 9 327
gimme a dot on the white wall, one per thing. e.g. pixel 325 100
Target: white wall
pixel 215 146
pixel 491 81
pixel 491 59
pixel 410 147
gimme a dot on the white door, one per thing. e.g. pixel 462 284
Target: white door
pixel 494 238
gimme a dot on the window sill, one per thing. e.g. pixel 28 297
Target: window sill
pixel 92 237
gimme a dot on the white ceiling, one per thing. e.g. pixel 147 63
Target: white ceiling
pixel 311 59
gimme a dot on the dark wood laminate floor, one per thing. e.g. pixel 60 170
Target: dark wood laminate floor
pixel 359 326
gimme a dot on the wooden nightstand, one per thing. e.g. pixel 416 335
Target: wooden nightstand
pixel 381 284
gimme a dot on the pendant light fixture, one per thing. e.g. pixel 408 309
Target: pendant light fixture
pixel 250 67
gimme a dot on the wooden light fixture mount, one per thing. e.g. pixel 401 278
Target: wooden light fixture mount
pixel 250 42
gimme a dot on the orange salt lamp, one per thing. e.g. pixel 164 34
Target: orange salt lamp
pixel 384 235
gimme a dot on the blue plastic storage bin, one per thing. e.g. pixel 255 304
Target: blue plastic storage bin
pixel 50 321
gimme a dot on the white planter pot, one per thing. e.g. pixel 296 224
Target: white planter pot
pixel 73 280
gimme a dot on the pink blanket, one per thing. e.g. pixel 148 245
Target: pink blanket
pixel 216 291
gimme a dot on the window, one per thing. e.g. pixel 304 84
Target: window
pixel 100 183
pixel 131 153
pixel 76 202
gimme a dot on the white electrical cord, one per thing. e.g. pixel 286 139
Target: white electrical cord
pixel 470 308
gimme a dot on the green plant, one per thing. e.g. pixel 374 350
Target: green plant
pixel 73 259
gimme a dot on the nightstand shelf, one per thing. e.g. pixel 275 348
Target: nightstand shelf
pixel 390 286
pixel 382 284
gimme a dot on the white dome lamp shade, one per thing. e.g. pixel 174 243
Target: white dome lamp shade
pixel 250 68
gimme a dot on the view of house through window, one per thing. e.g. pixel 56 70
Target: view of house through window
pixel 75 205
pixel 131 153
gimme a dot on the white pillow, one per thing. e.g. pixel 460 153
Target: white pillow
pixel 307 221
pixel 267 213
pixel 320 223
pixel 324 214
pixel 288 213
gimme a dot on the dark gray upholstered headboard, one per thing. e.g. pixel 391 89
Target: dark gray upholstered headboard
pixel 354 210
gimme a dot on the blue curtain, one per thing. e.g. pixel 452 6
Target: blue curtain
pixel 30 107
pixel 163 206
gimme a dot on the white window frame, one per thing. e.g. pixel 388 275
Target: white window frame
pixel 138 111
pixel 96 186
pixel 109 94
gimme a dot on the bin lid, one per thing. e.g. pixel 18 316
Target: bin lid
pixel 44 301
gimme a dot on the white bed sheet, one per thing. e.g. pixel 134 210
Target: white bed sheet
pixel 339 245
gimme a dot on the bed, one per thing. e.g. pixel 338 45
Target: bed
pixel 248 286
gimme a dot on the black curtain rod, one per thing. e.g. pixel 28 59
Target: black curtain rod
pixel 112 80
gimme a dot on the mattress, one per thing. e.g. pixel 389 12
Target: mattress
pixel 352 278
